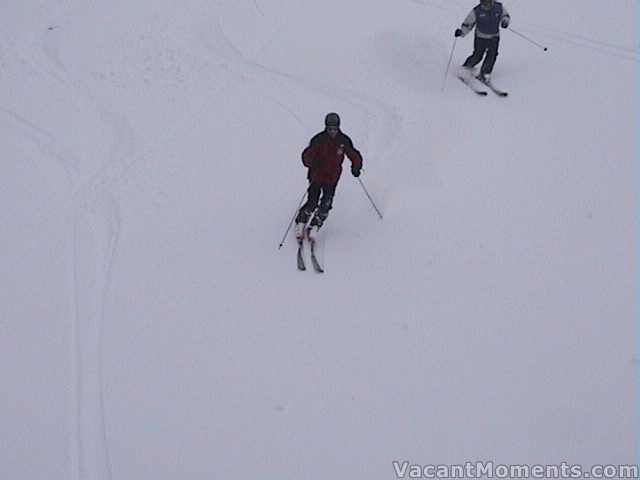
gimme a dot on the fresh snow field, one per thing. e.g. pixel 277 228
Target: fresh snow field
pixel 150 328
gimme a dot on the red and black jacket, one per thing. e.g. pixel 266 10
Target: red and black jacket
pixel 324 156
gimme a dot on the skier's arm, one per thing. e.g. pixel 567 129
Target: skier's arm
pixel 309 153
pixel 468 23
pixel 506 18
pixel 353 154
pixel 307 156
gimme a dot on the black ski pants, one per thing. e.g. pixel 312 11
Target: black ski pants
pixel 319 196
pixel 480 47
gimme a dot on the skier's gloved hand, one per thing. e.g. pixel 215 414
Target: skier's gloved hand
pixel 504 23
pixel 458 33
pixel 355 171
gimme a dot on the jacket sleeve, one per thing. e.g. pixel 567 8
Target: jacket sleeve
pixel 468 23
pixel 505 16
pixel 309 153
pixel 354 155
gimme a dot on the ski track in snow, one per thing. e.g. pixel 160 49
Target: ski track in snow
pixel 96 232
pixel 96 229
pixel 588 43
pixel 43 140
pixel 257 5
pixel 384 117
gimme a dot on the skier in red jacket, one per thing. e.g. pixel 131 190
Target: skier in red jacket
pixel 323 157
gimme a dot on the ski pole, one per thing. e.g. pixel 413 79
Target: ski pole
pixel 528 39
pixel 444 82
pixel 292 219
pixel 369 197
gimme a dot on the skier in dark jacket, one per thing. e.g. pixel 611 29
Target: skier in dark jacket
pixel 487 17
pixel 323 157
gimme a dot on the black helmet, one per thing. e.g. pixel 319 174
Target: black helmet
pixel 332 120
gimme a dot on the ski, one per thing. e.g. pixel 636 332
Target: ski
pixel 468 83
pixel 301 233
pixel 489 85
pixel 314 260
pixel 500 93
pixel 301 265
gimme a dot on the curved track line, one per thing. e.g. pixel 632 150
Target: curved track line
pixel 97 225
pixel 382 113
pixel 44 141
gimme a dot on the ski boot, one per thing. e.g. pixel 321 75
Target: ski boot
pixel 484 78
pixel 301 221
pixel 466 73
pixel 318 219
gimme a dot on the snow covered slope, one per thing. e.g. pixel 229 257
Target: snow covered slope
pixel 150 327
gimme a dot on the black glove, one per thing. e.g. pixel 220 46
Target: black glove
pixel 355 171
pixel 458 33
pixel 504 23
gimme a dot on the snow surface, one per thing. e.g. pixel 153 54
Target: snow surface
pixel 151 329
